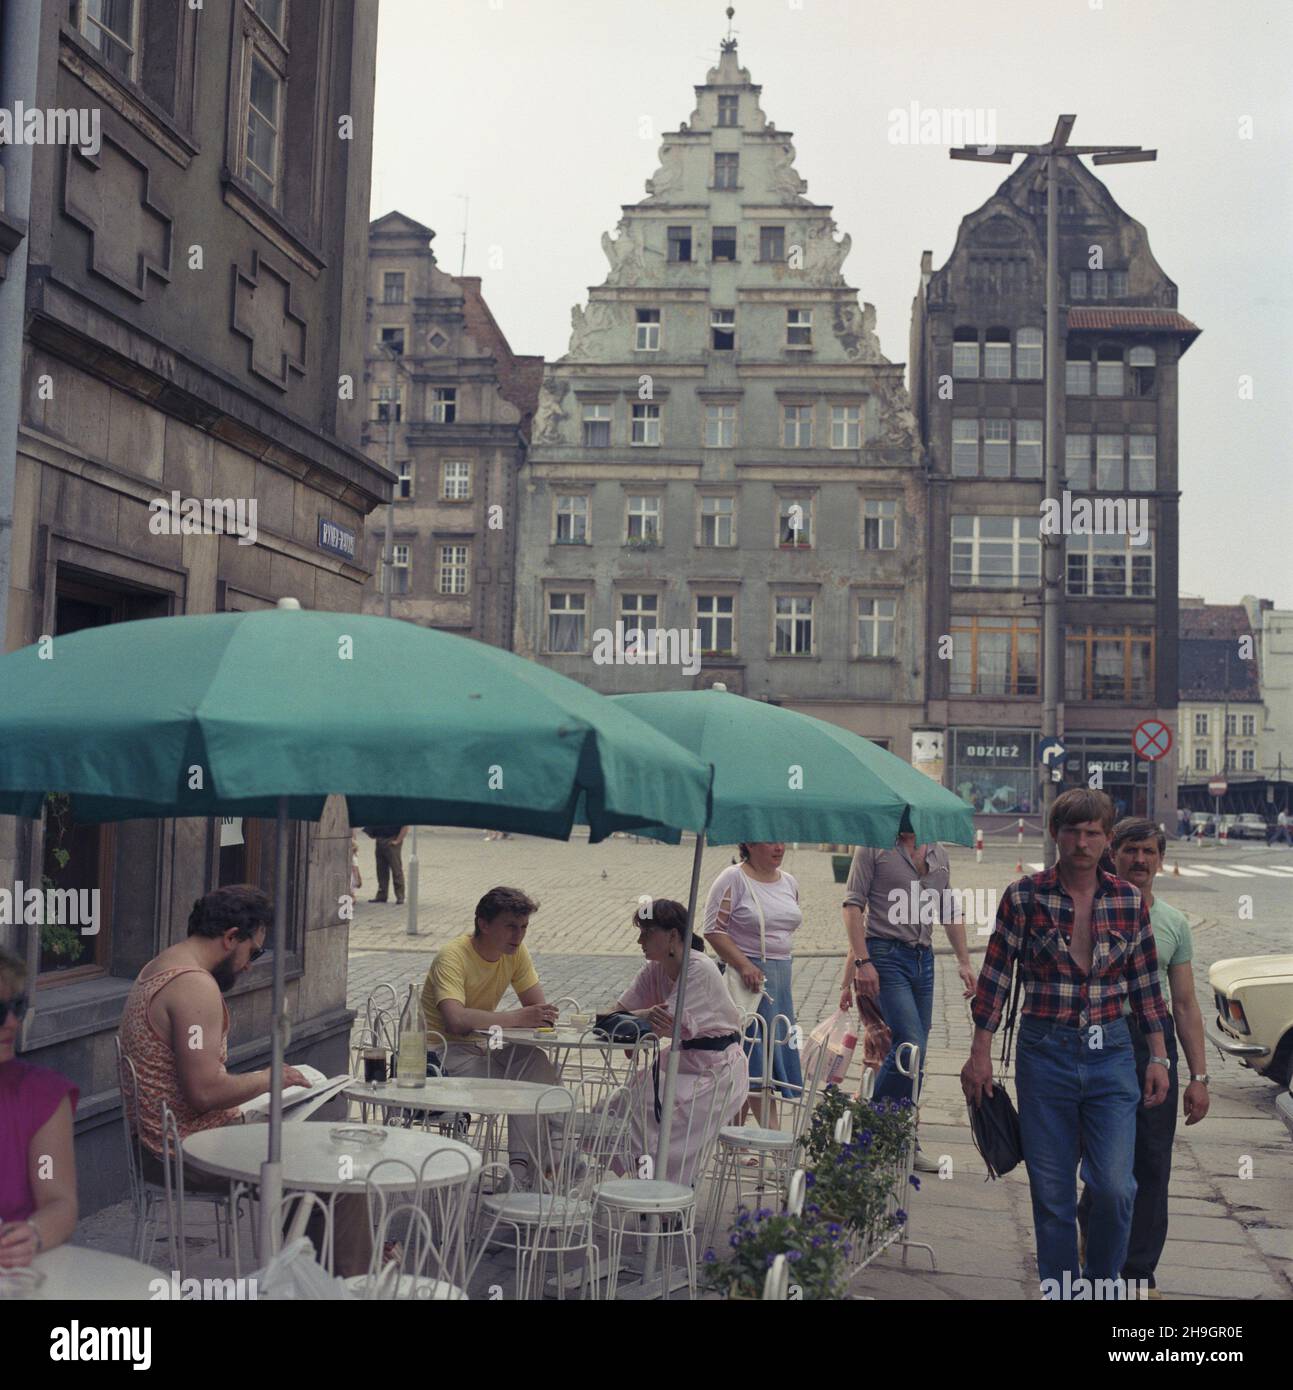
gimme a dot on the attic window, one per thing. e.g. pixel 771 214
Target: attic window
pixel 729 108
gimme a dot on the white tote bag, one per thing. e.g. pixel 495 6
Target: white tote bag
pixel 746 999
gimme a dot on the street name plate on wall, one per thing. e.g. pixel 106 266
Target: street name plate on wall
pixel 337 540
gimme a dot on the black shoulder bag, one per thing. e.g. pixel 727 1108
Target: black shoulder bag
pixel 994 1122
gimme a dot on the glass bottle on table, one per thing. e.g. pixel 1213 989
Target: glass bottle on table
pixel 411 1063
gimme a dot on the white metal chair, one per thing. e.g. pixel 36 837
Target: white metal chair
pixel 668 1205
pixel 557 1220
pixel 428 1230
pixel 149 1199
pixel 776 1284
pixel 777 1149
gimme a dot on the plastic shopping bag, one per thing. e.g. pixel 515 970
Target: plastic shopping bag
pixel 838 1035
pixel 295 1273
pixel 877 1040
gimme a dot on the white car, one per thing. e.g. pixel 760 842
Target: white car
pixel 1254 1019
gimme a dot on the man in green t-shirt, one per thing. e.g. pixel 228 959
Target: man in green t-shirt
pixel 1138 850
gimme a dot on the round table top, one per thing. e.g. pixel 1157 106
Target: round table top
pixel 73 1272
pixel 478 1094
pixel 311 1156
pixel 563 1037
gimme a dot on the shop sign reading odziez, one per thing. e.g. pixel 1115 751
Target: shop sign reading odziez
pixel 993 750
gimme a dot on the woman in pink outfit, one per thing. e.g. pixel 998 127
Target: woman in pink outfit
pixel 37 1167
pixel 712 1062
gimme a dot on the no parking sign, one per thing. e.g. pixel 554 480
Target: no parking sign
pixel 1151 739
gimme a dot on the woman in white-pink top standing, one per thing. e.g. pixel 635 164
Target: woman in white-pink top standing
pixel 751 915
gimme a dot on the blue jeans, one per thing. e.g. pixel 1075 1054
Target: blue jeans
pixel 906 1003
pixel 786 1071
pixel 1077 1100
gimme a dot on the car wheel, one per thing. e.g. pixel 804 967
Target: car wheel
pixel 1280 1070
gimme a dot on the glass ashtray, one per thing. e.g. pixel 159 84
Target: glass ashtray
pixel 20 1283
pixel 367 1136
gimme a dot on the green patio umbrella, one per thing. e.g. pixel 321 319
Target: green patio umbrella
pixel 780 775
pixel 268 713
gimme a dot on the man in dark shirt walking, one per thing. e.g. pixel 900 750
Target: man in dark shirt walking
pixel 389 839
pixel 1089 947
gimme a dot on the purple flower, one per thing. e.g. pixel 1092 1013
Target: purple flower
pixel 763 1213
pixel 812 1209
pixel 767 1261
pixel 914 1181
pixel 817 1242
pixel 793 1255
pixel 710 1257
pixel 900 1217
pixel 809 1179
pixel 833 1229
pixel 742 1216
pixel 734 1240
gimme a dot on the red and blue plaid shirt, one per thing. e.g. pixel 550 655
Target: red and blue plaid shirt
pixel 1124 963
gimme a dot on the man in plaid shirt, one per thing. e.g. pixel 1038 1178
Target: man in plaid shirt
pixel 1089 948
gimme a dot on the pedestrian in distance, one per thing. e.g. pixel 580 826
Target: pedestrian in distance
pixel 389 839
pixel 1280 835
pixel 1085 946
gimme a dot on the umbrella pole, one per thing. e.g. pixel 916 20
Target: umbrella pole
pixel 271 1171
pixel 675 1051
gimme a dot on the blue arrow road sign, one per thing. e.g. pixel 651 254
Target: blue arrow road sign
pixel 1051 750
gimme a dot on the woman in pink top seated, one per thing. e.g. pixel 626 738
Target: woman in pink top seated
pixel 37 1165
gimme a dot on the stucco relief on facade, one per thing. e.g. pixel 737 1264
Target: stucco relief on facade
pixel 550 416
pixel 626 253
pixel 586 329
pixel 854 326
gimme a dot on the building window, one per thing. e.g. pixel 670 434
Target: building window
pixel 797 426
pixel 795 523
pixel 566 617
pixel 597 425
pixel 389 404
pixel 720 426
pixel 965 448
pixel 1077 376
pixel 1077 284
pixel 643 520
pixel 718 521
pixel 1230 760
pixel 444 405
pixel 879 524
pixel 1099 284
pixel 1117 284
pixel 1232 725
pixel 1142 361
pixel 453 569
pixel 393 287
pixel 645 424
pixel 996 448
pixel 640 614
pixel 716 619
pixel 648 330
pixel 1247 760
pixel 1108 372
pixel 401 569
pixel 679 244
pixel 996 355
pixel 1109 567
pixel 1109 663
pixel 1201 725
pixel 112 27
pixel 994 656
pixel 1142 462
pixel 572 519
pixel 996 552
pixel 1201 759
pixel 1108 462
pixel 772 243
pixel 404 488
pixel 965 353
pixel 799 328
pixel 1077 462
pixel 723 244
pixel 1249 725
pixel 1028 448
pixel 722 327
pixel 729 107
pixel 876 623
pixel 793 621
pixel 1028 353
pixel 726 169
pixel 846 427
pixel 264 98
pixel 393 338
pixel 455 480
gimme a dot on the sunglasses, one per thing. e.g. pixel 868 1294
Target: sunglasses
pixel 17 1007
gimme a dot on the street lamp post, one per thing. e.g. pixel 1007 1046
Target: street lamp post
pixel 1052 544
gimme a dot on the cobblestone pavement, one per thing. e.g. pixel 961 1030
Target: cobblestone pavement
pixel 1230 1236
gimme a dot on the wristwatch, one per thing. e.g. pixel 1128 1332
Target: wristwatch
pixel 858 962
pixel 1200 1076
pixel 1163 1062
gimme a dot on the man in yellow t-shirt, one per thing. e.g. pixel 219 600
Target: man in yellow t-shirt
pixel 460 1000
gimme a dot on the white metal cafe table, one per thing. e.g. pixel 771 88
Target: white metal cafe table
pixel 490 1097
pixel 73 1272
pixel 560 1042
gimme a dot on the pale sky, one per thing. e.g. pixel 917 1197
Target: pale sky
pixel 536 111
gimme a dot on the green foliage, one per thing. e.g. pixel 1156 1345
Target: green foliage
pixel 815 1249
